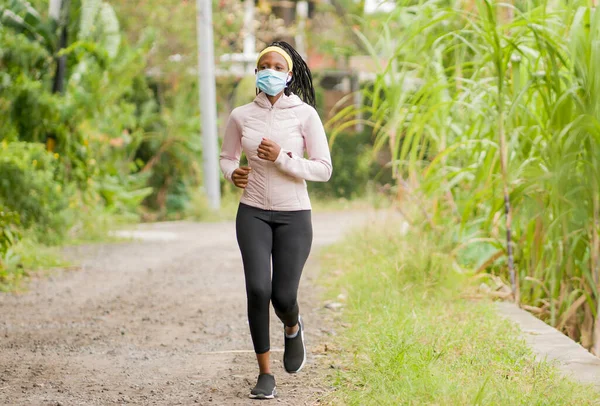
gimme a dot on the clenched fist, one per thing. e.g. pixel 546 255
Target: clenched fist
pixel 268 150
pixel 240 176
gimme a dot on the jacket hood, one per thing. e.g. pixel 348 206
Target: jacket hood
pixel 284 102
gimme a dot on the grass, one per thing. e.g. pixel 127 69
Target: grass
pixel 25 258
pixel 29 256
pixel 411 336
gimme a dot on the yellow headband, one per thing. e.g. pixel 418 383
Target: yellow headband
pixel 281 52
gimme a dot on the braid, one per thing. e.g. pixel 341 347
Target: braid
pixel 301 84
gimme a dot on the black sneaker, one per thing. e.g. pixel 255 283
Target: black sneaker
pixel 265 387
pixel 294 354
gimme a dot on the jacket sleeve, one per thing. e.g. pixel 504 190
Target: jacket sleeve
pixel 231 150
pixel 318 166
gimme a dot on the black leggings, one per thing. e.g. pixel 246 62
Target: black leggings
pixel 286 238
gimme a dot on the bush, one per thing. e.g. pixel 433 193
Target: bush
pixel 352 167
pixel 9 236
pixel 29 189
pixel 9 231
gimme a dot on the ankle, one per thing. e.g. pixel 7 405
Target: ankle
pixel 264 362
pixel 291 330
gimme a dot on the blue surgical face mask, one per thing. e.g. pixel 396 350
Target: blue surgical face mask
pixel 271 82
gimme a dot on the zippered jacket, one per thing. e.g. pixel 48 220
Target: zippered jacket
pixel 296 128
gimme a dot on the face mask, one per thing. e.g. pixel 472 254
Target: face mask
pixel 271 82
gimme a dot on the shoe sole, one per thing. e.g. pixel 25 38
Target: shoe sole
pixel 304 348
pixel 264 397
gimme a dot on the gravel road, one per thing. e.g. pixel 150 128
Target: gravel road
pixel 160 320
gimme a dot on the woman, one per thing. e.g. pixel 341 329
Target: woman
pixel 273 222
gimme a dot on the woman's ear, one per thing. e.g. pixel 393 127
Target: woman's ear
pixel 255 71
pixel 289 79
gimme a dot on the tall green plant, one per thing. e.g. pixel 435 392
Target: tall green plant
pixel 585 50
pixel 502 123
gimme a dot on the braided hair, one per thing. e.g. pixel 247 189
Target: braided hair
pixel 301 83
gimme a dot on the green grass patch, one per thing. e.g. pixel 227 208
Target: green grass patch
pixel 25 258
pixel 412 337
pixel 29 256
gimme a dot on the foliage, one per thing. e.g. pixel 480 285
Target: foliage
pixel 92 126
pixel 410 337
pixel 29 189
pixel 9 231
pixel 67 157
pixel 172 153
pixel 488 105
pixel 351 158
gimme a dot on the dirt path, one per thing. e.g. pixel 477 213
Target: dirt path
pixel 154 322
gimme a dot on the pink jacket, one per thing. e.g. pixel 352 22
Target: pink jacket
pixel 296 127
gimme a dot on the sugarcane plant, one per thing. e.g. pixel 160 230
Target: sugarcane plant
pixel 489 114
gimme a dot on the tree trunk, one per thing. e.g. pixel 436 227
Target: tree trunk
pixel 61 65
pixel 59 11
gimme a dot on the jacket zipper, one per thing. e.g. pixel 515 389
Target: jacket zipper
pixel 268 182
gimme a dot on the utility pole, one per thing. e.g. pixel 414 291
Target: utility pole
pixel 301 15
pixel 249 38
pixel 54 9
pixel 208 101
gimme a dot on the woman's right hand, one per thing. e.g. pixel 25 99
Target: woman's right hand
pixel 240 176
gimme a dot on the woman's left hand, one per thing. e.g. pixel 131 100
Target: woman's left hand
pixel 268 150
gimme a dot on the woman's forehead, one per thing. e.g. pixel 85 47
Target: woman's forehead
pixel 273 57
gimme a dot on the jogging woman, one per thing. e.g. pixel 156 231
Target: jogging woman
pixel 273 222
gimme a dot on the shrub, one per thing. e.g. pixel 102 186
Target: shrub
pixel 29 190
pixel 352 167
pixel 9 231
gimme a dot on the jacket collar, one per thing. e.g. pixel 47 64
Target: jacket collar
pixel 284 102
